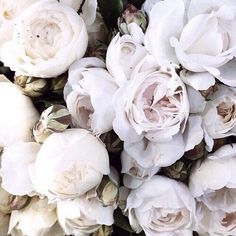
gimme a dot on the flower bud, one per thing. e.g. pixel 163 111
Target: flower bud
pixel 57 84
pixel 9 203
pixel 178 171
pixel 108 192
pixel 132 15
pixel 55 118
pixel 113 143
pixel 196 153
pixel 104 230
pixel 32 86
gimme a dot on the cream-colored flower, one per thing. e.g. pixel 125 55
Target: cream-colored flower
pixel 37 219
pixel 47 37
pixel 15 162
pixel 69 164
pixel 18 114
pixel 161 206
pixel 212 182
pixel 88 95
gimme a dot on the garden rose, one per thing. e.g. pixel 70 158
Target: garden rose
pixel 37 219
pixel 169 210
pixel 219 116
pixel 135 174
pixel 88 95
pixel 153 104
pixel 15 162
pixel 123 54
pixel 86 163
pixel 17 114
pixel 84 215
pixel 216 196
pixel 47 37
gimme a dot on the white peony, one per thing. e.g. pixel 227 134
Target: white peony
pixel 213 184
pixel 83 215
pixel 15 162
pixel 37 219
pixel 69 164
pixel 161 206
pixel 47 37
pixel 18 115
pixel 123 54
pixel 88 95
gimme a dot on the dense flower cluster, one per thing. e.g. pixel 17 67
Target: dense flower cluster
pixel 138 121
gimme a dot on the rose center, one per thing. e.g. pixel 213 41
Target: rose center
pixel 226 111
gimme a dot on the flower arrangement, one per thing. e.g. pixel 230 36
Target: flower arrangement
pixel 117 117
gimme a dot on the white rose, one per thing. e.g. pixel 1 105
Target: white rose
pixel 207 41
pixel 219 116
pixel 123 54
pixel 88 95
pixel 4 223
pixel 86 162
pixel 15 162
pixel 87 9
pixel 215 192
pixel 83 216
pixel 36 219
pixel 169 210
pixel 9 9
pixel 48 36
pixel 135 174
pixel 18 115
pixel 152 104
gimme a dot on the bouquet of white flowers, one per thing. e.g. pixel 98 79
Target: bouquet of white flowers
pixel 117 117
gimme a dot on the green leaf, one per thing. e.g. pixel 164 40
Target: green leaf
pixel 122 221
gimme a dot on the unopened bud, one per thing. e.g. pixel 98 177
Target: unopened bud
pixel 104 230
pixel 32 86
pixel 9 203
pixel 55 118
pixel 196 153
pixel 108 192
pixel 57 84
pixel 132 15
pixel 178 171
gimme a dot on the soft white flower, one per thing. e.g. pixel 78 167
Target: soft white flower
pixel 9 9
pixel 4 223
pixel 15 162
pixel 161 206
pixel 123 54
pixel 37 219
pixel 87 11
pixel 47 37
pixel 152 104
pixel 69 164
pixel 18 115
pixel 83 216
pixel 135 174
pixel 208 39
pixel 165 21
pixel 88 95
pixel 213 183
pixel 219 116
